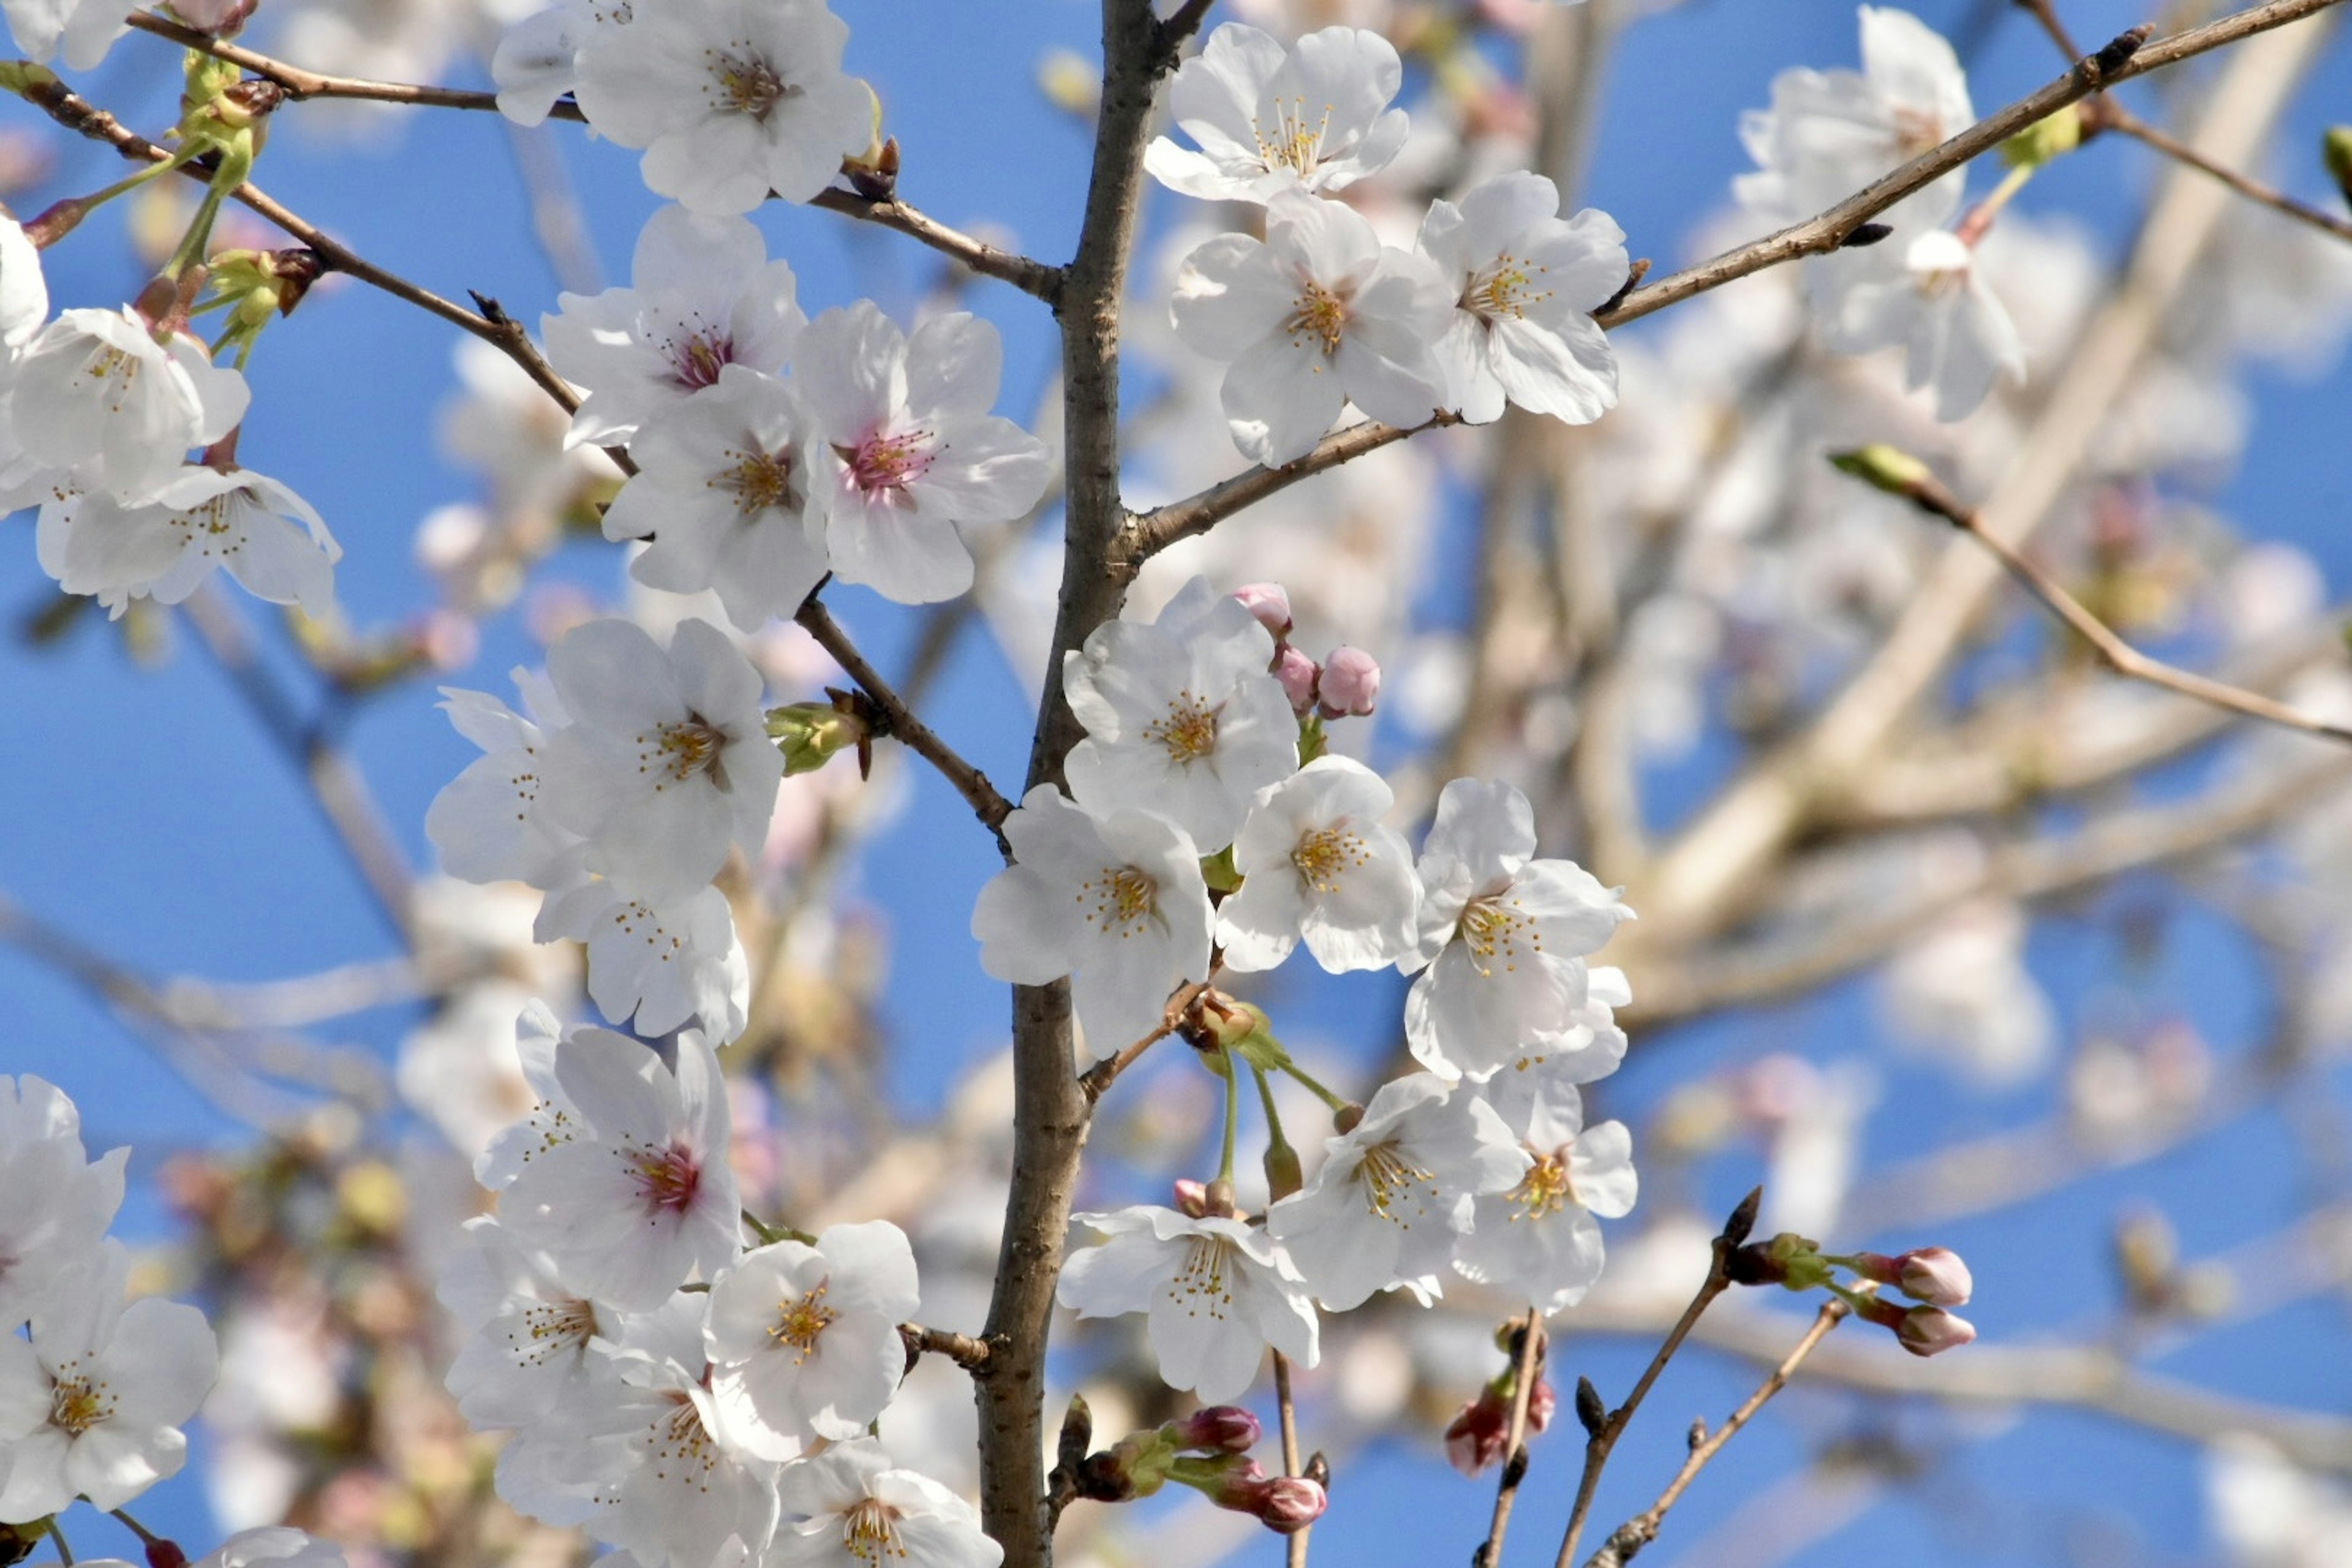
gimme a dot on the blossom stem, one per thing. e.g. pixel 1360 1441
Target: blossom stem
pixel 1232 1118
pixel 146 1536
pixel 1314 1088
pixel 770 1234
pixel 1287 1409
pixel 65 1553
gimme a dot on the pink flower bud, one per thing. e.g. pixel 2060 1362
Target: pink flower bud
pixel 1221 1428
pixel 1352 683
pixel 1935 1275
pixel 1270 603
pixel 1476 1438
pixel 221 18
pixel 1298 675
pixel 1192 1198
pixel 1931 1330
pixel 1291 1503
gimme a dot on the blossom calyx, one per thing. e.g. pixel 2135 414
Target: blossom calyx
pixel 1935 1275
pixel 811 734
pixel 1789 1260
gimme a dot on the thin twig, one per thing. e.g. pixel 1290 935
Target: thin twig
pixel 986 803
pixel 2115 117
pixel 1032 277
pixel 1629 1537
pixel 1148 533
pixel 1930 496
pixel 1096 1079
pixel 1286 1413
pixel 301 83
pixel 1603 1441
pixel 967 1353
pixel 1825 232
pixel 1515 1441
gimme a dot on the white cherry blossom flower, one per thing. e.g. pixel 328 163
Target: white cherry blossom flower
pixel 249 525
pixel 24 292
pixel 1313 117
pixel 1929 298
pixel 1316 316
pixel 1503 935
pixel 536 62
pixel 1217 1293
pixel 1830 133
pixel 690 1488
pixel 526 1350
pixel 702 296
pixel 1115 902
pixel 60 1200
pixel 275 1546
pixel 729 490
pixel 80 30
pixel 803 1340
pixel 1539 1242
pixel 95 387
pixel 92 1404
pixel 488 823
pixel 663 965
pixel 857 1509
pixel 1316 862
pixel 552 1122
pixel 458 1068
pixel 641 1199
pixel 1181 716
pixel 914 449
pixel 1525 283
pixel 667 761
pixel 1395 1192
pixel 729 99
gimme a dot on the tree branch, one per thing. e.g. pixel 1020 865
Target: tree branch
pixel 1603 1438
pixel 986 803
pixel 1148 533
pixel 1096 1079
pixel 2115 117
pixel 967 1353
pixel 1629 1537
pixel 1515 1441
pixel 299 83
pixel 1031 276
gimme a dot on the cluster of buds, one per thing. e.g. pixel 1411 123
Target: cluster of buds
pixel 1934 1278
pixel 1481 1432
pixel 1346 684
pixel 1208 1451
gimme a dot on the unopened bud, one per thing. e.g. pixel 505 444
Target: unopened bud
pixel 1935 1275
pixel 1591 1413
pixel 1192 1198
pixel 161 1554
pixel 1351 684
pixel 2335 153
pixel 811 734
pixel 1481 1429
pixel 1078 1434
pixel 1270 603
pixel 1291 1503
pixel 1931 1330
pixel 1297 674
pixel 2045 139
pixel 1890 469
pixel 221 18
pixel 1216 1428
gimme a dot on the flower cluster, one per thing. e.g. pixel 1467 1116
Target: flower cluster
pixel 680 1396
pixel 1192 840
pixel 1492 306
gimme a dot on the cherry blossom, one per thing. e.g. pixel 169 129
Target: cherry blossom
pixel 729 490
pixel 1317 863
pixel 1525 283
pixel 552 1122
pixel 914 449
pixel 858 1508
pixel 1217 1294
pixel 1929 298
pixel 536 62
pixel 641 1199
pixel 729 99
pixel 278 1546
pixel 803 1340
pixel 1316 315
pixel 488 823
pixel 1115 902
pixel 80 30
pixel 1181 716
pixel 527 1334
pixel 249 525
pixel 657 967
pixel 1395 1192
pixel 1830 133
pixel 96 387
pixel 1312 118
pixel 1539 1241
pixel 92 1404
pixel 667 761
pixel 23 293
pixel 689 1490
pixel 703 295
pixel 60 1200
pixel 1503 935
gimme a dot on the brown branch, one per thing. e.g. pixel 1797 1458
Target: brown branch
pixel 1932 496
pixel 986 803
pixel 1602 1440
pixel 1148 533
pixel 1629 1537
pixel 1825 232
pixel 1096 1079
pixel 1515 1441
pixel 1039 278
pixel 967 1353
pixel 1286 1413
pixel 299 83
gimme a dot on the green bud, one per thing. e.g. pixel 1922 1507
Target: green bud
pixel 1220 872
pixel 1807 1269
pixel 811 734
pixel 2044 138
pixel 2335 154
pixel 1890 469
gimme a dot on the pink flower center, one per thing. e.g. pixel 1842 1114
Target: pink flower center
pixel 883 466
pixel 697 358
pixel 666 1178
